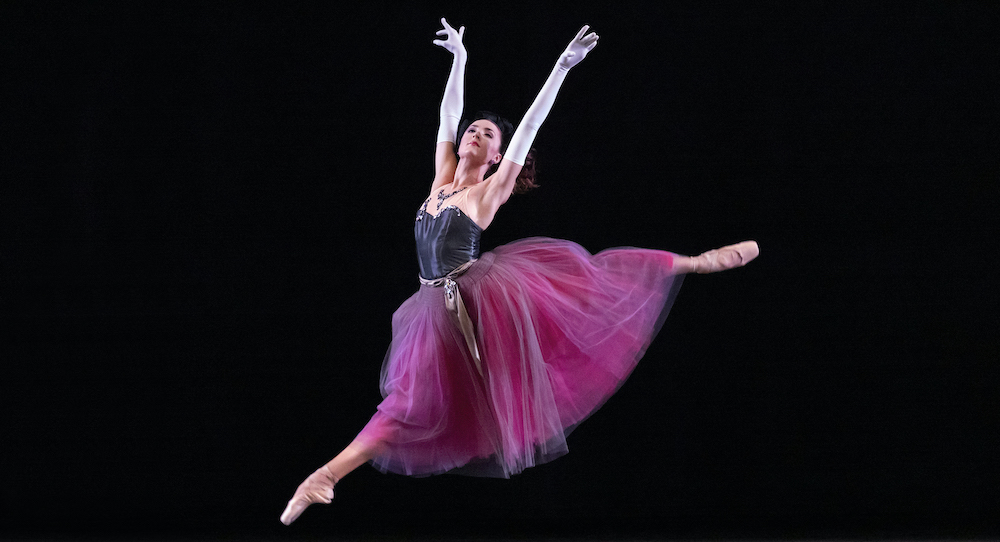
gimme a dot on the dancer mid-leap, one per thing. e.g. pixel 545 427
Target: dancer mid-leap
pixel 499 355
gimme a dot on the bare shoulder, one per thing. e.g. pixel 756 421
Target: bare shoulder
pixel 480 191
pixel 482 205
pixel 499 186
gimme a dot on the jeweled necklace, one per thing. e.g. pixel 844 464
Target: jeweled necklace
pixel 442 196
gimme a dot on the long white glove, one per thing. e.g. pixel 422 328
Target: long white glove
pixel 454 91
pixel 577 50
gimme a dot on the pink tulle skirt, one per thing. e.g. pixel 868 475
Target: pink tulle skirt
pixel 559 330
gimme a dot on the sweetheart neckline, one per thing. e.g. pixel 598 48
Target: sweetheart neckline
pixel 424 211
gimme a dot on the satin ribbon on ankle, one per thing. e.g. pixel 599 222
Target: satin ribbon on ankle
pixel 453 301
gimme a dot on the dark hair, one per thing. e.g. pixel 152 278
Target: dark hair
pixel 526 178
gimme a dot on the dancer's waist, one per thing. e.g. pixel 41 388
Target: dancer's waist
pixel 452 275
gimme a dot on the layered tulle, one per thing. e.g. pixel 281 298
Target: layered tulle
pixel 559 330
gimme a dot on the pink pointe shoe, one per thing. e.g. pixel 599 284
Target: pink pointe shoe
pixel 317 488
pixel 727 257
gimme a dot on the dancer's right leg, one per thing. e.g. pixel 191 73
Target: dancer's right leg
pixel 318 487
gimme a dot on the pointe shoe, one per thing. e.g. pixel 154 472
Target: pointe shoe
pixel 317 488
pixel 727 257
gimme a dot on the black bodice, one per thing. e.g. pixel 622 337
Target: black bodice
pixel 445 241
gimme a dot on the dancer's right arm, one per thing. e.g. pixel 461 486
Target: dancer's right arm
pixel 452 104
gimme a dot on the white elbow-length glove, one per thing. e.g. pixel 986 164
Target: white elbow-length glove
pixel 575 52
pixel 453 101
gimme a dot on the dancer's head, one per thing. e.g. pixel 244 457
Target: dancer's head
pixel 497 131
pixel 504 129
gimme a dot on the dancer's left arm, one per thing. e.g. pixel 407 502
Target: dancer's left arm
pixel 501 184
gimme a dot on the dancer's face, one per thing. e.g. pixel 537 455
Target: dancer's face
pixel 481 141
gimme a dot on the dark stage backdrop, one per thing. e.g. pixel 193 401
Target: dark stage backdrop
pixel 207 213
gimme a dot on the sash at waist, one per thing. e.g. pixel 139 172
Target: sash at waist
pixel 453 301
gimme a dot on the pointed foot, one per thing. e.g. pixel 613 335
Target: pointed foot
pixel 727 257
pixel 317 488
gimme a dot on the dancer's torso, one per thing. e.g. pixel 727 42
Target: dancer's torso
pixel 445 240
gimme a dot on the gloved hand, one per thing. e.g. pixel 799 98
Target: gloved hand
pixel 578 48
pixel 453 39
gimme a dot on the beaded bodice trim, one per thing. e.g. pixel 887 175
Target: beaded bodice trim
pixel 423 212
pixel 442 196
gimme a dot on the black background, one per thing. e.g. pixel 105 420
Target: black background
pixel 207 213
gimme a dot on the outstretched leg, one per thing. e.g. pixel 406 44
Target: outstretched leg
pixel 318 487
pixel 720 259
